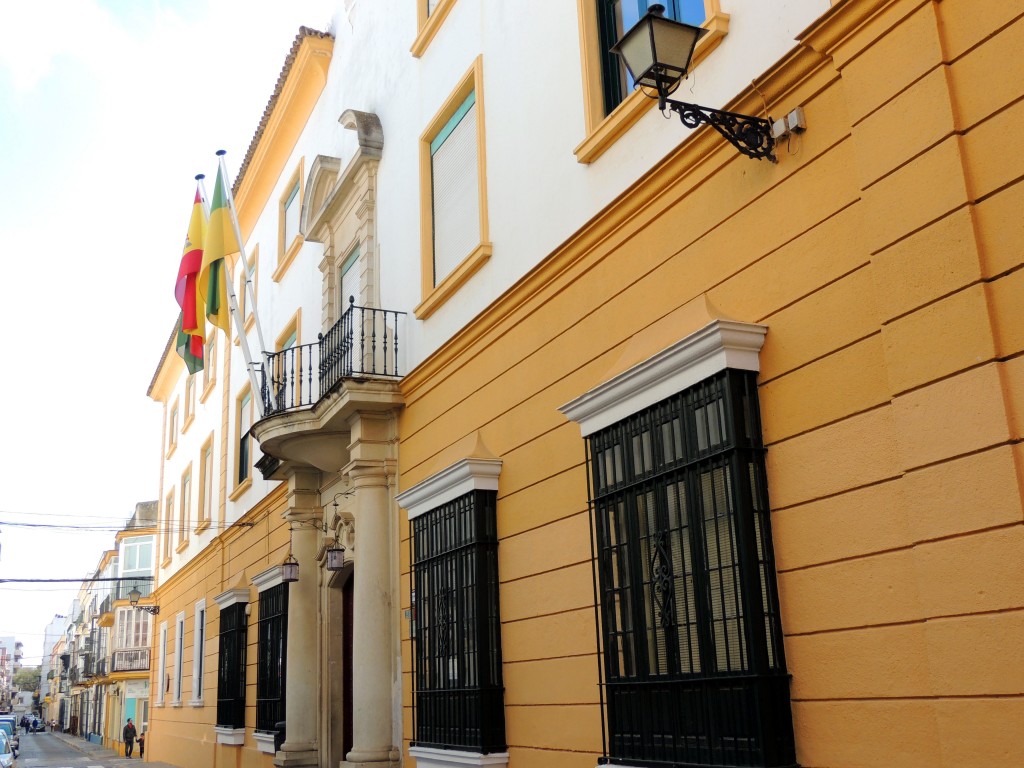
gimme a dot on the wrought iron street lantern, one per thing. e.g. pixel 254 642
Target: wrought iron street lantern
pixel 335 556
pixel 657 52
pixel 134 596
pixel 290 568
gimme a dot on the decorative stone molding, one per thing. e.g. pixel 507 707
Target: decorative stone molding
pixel 232 737
pixel 719 345
pixel 471 474
pixel 268 578
pixel 232 596
pixel 265 742
pixel 428 757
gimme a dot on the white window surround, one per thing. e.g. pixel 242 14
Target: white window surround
pixel 264 742
pixel 428 757
pixel 450 483
pixel 232 596
pixel 179 657
pixel 231 737
pixel 198 651
pixel 161 679
pixel 719 345
pixel 268 578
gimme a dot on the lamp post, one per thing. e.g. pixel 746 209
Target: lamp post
pixel 657 52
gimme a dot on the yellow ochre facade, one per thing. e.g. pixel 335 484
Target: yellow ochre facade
pixel 882 257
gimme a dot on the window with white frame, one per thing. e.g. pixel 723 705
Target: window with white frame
pixel 161 678
pixel 692 654
pixel 198 652
pixel 179 654
pixel 457 686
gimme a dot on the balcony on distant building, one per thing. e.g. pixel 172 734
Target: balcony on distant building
pixel 130 660
pixel 310 390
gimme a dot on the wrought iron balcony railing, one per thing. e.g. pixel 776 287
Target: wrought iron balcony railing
pixel 130 660
pixel 362 344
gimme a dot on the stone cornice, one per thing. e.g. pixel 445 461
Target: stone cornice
pixel 471 474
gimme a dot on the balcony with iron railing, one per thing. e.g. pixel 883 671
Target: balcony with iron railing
pixel 309 391
pixel 130 660
pixel 142 583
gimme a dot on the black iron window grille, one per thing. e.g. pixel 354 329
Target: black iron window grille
pixel 457 644
pixel 693 665
pixel 231 667
pixel 272 639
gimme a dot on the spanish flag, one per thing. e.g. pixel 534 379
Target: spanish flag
pixel 220 246
pixel 193 315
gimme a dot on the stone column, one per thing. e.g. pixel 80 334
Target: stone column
pixel 372 645
pixel 302 693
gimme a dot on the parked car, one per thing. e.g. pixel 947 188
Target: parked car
pixel 8 727
pixel 6 751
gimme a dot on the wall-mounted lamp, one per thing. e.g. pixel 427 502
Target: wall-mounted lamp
pixel 290 567
pixel 658 51
pixel 133 598
pixel 335 556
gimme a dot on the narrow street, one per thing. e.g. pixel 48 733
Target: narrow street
pixel 48 750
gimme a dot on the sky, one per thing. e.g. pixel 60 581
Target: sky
pixel 108 110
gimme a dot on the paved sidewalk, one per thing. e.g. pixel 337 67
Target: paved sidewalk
pixel 102 753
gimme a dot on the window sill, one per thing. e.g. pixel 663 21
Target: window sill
pixel 429 27
pixel 176 704
pixel 637 104
pixel 165 563
pixel 232 737
pixel 200 527
pixel 207 390
pixel 265 742
pixel 197 703
pixel 241 488
pixel 429 757
pixel 286 260
pixel 188 423
pixel 441 293
pixel 182 546
pixel 170 450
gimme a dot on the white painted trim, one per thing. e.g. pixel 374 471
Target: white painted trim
pixel 198 653
pixel 271 577
pixel 232 596
pixel 161 691
pixel 428 757
pixel 233 737
pixel 719 345
pixel 265 742
pixel 450 483
pixel 179 658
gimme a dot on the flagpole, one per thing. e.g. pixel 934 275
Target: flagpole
pixel 243 341
pixel 238 236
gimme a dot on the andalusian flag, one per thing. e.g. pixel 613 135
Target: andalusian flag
pixel 193 315
pixel 220 246
pixel 185 344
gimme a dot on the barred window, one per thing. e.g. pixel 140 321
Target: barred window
pixel 457 643
pixel 693 659
pixel 231 667
pixel 271 647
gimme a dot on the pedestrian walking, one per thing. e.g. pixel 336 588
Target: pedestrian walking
pixel 129 734
pixel 142 744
